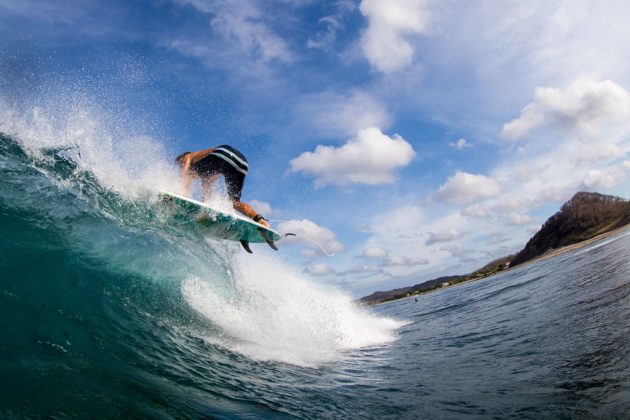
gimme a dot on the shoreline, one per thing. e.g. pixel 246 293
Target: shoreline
pixel 547 255
pixel 568 248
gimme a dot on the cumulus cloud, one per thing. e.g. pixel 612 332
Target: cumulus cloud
pixel 460 144
pixel 370 158
pixel 374 252
pixel 603 179
pixel 319 269
pixel 309 232
pixel 580 106
pixel 444 236
pixel 333 114
pixel 464 187
pixel 387 42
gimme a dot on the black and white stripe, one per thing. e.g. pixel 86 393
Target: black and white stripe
pixel 232 158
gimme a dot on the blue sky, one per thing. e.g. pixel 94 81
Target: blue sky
pixel 411 138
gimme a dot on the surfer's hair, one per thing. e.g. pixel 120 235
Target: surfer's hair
pixel 180 159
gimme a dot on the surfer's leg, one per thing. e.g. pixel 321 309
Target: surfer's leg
pixel 206 185
pixel 234 182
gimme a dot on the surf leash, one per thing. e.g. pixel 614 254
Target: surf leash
pixel 326 253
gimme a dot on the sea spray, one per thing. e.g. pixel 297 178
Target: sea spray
pixel 107 146
pixel 274 313
pixel 99 189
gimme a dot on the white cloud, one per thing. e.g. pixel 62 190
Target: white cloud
pixel 604 179
pixel 597 179
pixel 335 115
pixel 482 210
pixel 581 106
pixel 364 269
pixel 243 22
pixel 444 236
pixel 594 119
pixel 374 252
pixel 254 37
pixel 591 154
pixel 325 39
pixel 262 207
pixel 370 158
pixel 509 204
pixel 460 144
pixel 310 253
pixel 308 233
pixel 493 48
pixel 520 219
pixel 531 117
pixel 319 269
pixel 387 42
pixel 464 187
pixel 452 249
pixel 403 261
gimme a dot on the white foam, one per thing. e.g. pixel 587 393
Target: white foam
pixel 105 145
pixel 266 310
pixel 273 313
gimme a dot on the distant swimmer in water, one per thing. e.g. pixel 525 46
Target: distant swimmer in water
pixel 209 164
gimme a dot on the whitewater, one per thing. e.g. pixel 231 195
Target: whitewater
pixel 87 247
pixel 109 308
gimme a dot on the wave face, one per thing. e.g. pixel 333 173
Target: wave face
pixel 108 307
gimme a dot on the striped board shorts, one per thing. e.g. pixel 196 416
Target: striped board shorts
pixel 227 161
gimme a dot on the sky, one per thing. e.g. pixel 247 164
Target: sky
pixel 406 139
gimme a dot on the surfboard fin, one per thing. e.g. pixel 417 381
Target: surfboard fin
pixel 268 239
pixel 246 246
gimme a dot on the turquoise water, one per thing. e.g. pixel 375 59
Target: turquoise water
pixel 107 309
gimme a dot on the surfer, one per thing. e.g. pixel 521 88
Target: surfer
pixel 209 164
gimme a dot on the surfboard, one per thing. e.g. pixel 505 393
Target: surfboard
pixel 218 224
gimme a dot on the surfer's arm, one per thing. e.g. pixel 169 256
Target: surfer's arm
pixel 248 211
pixel 200 154
pixel 187 176
pixel 187 161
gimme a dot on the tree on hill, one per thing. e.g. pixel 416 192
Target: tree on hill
pixel 582 217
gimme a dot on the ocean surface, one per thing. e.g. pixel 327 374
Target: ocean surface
pixel 110 308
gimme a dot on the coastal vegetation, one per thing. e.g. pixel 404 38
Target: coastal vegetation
pixel 585 216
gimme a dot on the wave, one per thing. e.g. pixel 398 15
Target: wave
pixel 84 234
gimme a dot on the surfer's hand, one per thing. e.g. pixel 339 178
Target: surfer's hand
pixel 260 219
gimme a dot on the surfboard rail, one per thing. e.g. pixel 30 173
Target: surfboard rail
pixel 219 224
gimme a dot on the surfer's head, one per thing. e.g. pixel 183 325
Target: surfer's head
pixel 180 159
